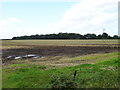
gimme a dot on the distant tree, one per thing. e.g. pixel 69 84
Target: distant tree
pixel 90 36
pixel 115 37
pixel 93 36
pixel 109 37
pixel 67 36
pixel 99 36
pixel 87 36
pixel 104 35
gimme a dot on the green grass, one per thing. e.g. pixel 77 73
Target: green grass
pixel 91 57
pixel 16 65
pixel 102 74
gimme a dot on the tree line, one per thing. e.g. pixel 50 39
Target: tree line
pixel 67 36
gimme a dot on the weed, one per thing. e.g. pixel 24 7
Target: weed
pixel 63 81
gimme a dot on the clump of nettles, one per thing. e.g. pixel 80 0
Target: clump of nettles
pixel 63 81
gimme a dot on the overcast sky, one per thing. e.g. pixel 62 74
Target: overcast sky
pixel 83 16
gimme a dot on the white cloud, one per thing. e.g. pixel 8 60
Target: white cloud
pixel 9 27
pixel 13 19
pixel 16 27
pixel 38 30
pixel 89 16
pixel 9 22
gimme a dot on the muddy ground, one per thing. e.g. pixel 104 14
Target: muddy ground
pixel 43 51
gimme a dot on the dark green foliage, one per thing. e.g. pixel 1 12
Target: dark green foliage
pixel 101 75
pixel 63 81
pixel 115 37
pixel 67 36
pixel 87 77
pixel 104 35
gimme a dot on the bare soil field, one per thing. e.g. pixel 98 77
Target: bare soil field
pixel 49 51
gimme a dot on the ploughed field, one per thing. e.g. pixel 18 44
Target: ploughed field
pixel 52 63
pixel 52 51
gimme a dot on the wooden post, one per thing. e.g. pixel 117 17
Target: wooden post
pixel 75 73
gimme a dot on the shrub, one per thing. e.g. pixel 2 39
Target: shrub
pixel 63 81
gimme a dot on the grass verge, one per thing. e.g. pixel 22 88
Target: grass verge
pixel 102 74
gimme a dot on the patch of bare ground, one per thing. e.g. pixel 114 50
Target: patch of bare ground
pixel 52 53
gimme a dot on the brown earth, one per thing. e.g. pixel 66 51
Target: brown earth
pixel 43 51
